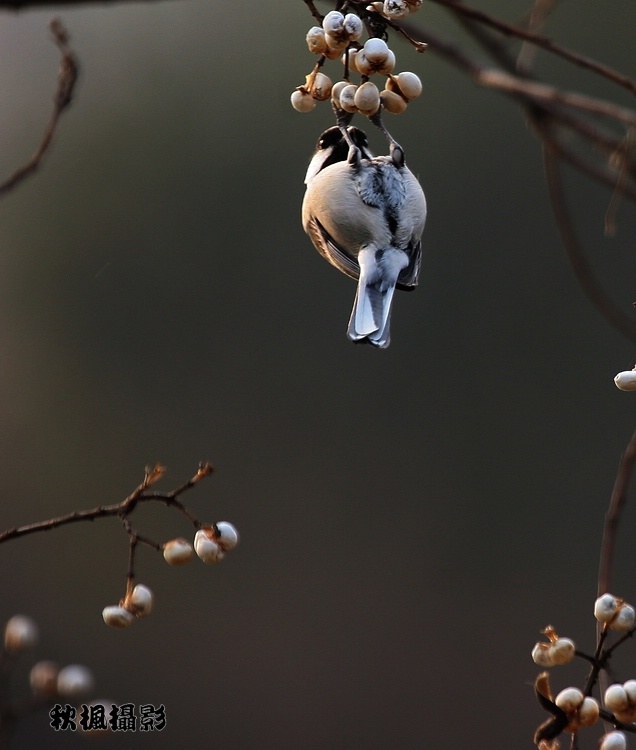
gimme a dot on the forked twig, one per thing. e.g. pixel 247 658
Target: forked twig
pixel 122 509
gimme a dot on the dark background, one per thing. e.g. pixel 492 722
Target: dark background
pixel 410 518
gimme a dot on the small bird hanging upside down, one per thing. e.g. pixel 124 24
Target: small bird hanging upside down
pixel 365 215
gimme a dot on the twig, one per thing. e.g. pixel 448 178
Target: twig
pixel 613 516
pixel 536 22
pixel 552 101
pixel 582 269
pixel 541 41
pixel 623 157
pixel 67 78
pixel 122 509
pixel 540 92
pixel 314 11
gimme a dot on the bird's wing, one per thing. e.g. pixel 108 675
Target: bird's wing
pixel 329 249
pixel 409 276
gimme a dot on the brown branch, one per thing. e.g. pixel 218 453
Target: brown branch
pixel 540 41
pixel 122 509
pixel 547 98
pixel 536 21
pixel 314 11
pixel 622 158
pixel 580 266
pixel 541 92
pixel 604 175
pixel 67 78
pixel 613 516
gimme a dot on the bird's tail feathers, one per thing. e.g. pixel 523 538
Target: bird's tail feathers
pixel 371 316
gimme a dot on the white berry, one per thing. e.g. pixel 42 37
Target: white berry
pixel 115 616
pixel 407 84
pixel 336 90
pixel 624 619
pixel 43 679
pixel 228 536
pixel 20 634
pixel 562 651
pixel 376 50
pixel 347 98
pixel 74 681
pixel 393 102
pixel 139 601
pixel 367 98
pixel 178 551
pixel 569 699
pixel 588 712
pixel 316 41
pixel 613 741
pixel 333 23
pixel 605 608
pixel 616 699
pixel 626 381
pixel 302 101
pixel 206 548
pixel 335 47
pixel 541 654
pixel 353 26
pixel 630 690
pixel 321 87
pixel 396 8
pixel 368 67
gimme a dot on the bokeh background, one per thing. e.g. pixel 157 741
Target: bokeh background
pixel 410 518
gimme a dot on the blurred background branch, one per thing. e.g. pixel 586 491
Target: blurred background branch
pixel 67 78
pixel 604 152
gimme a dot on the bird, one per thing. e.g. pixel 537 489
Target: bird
pixel 365 214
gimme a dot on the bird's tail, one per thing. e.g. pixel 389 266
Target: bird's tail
pixel 371 315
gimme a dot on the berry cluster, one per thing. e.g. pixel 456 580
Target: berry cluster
pixel 48 682
pixel 574 708
pixel 211 542
pixel 339 36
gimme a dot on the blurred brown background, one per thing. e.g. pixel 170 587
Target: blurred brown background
pixel 411 518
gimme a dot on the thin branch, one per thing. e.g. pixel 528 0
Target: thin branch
pixel 613 516
pixel 121 509
pixel 540 41
pixel 582 269
pixel 67 78
pixel 314 11
pixel 537 19
pixel 542 92
pixel 623 158
pixel 76 516
pixel 531 93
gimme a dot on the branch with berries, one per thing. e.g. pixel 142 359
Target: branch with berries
pixel 338 36
pixel 575 708
pixel 211 540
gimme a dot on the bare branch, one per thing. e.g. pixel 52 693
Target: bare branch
pixel 67 78
pixel 122 509
pixel 540 41
pixel 613 516
pixel 582 269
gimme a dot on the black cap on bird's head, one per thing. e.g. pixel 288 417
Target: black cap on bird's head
pixel 333 147
pixel 334 138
